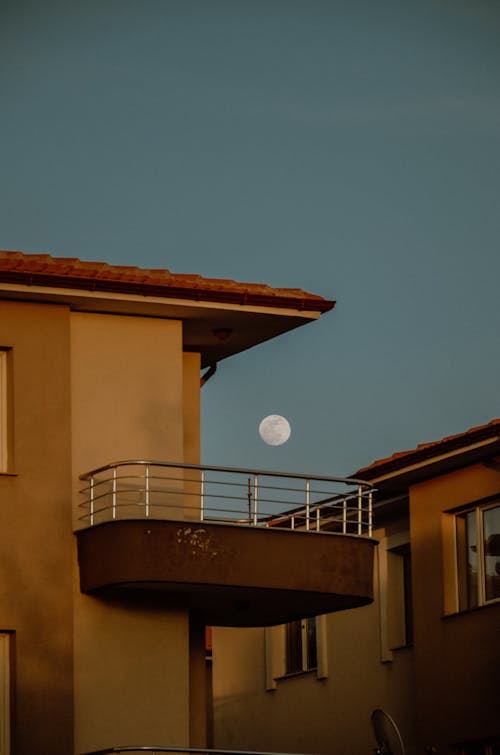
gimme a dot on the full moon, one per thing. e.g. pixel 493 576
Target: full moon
pixel 274 430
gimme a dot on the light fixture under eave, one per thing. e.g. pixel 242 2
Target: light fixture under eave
pixel 222 334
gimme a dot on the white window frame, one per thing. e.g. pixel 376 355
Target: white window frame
pixel 478 509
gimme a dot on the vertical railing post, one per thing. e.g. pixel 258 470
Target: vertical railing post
pixel 308 491
pixel 147 491
pixel 255 499
pixel 202 496
pixel 113 494
pixel 360 510
pixel 344 517
pixel 249 499
pixel 318 523
pixel 91 517
pixel 370 513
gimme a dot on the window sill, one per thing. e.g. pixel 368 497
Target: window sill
pixel 295 674
pixel 465 611
pixel 406 646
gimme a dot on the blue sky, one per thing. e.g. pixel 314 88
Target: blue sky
pixel 351 148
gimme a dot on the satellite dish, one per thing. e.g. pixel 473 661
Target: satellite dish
pixel 387 734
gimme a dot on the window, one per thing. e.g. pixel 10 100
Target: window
pixel 477 532
pixel 301 650
pixel 295 648
pixel 401 596
pixel 5 424
pixel 5 682
pixel 395 593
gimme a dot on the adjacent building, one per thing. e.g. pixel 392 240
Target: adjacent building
pixel 117 547
pixel 427 650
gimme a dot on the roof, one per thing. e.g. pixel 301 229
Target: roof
pixel 72 273
pixel 427 451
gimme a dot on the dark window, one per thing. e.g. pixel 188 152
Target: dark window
pixel 403 593
pixel 301 650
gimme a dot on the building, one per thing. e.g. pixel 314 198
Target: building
pixel 105 593
pixel 453 489
pixel 427 651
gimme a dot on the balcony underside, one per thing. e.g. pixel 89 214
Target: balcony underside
pixel 229 576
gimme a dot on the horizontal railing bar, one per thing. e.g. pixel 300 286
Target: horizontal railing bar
pixel 140 477
pixel 283 524
pixel 221 483
pixel 263 515
pixel 171 492
pixel 183 492
pixel 194 750
pixel 336 511
pixel 332 497
pixel 233 470
pixel 168 506
pixel 176 479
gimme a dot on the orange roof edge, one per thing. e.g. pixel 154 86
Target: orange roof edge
pixel 425 451
pixel 71 272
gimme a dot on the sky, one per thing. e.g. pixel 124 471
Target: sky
pixel 347 147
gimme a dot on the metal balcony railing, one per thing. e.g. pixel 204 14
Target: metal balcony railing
pixel 225 495
pixel 180 750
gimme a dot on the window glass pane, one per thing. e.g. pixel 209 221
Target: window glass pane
pixel 312 655
pixel 467 560
pixel 408 597
pixel 293 647
pixel 491 524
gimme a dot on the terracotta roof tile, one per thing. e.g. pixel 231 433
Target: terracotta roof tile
pixel 71 272
pixel 432 448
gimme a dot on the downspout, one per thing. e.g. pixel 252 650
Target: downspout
pixel 208 374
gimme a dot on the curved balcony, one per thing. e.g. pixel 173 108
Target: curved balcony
pixel 243 547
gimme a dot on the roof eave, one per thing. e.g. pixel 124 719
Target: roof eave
pixel 485 438
pixel 142 288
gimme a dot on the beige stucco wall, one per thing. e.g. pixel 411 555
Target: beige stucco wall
pixel 130 397
pixel 35 522
pixel 304 713
pixel 131 673
pixel 458 657
pixel 127 389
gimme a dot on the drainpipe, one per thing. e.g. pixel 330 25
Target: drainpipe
pixel 208 374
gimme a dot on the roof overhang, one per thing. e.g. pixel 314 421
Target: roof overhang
pixel 397 476
pixel 216 325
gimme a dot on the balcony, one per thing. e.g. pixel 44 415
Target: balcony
pixel 242 547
